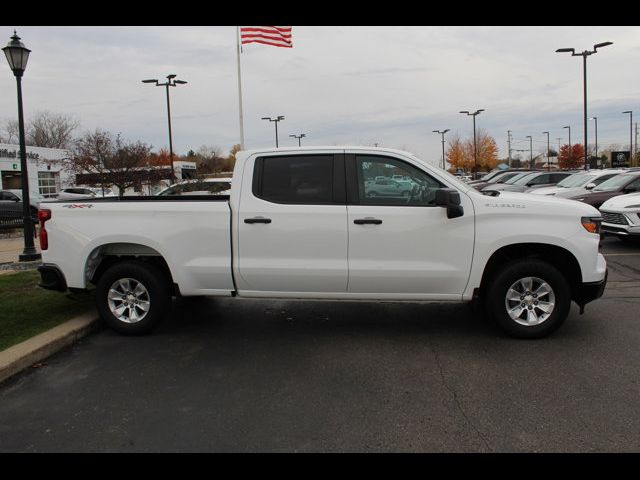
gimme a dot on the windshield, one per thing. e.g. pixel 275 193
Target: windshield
pixel 504 177
pixel 614 183
pixel 577 180
pixel 516 180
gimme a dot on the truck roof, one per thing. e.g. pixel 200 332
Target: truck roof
pixel 329 148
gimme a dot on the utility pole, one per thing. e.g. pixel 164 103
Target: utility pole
pixel 442 133
pixel 509 144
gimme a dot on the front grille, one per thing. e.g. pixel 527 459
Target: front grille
pixel 616 218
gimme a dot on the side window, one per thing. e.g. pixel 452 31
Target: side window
pixel 633 186
pixel 602 178
pixel 416 188
pixel 539 180
pixel 301 179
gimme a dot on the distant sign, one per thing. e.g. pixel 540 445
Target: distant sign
pixel 620 159
pixel 6 153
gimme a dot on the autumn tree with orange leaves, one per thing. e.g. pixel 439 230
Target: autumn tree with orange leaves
pixel 571 156
pixel 461 152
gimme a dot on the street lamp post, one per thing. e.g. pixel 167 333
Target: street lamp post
pixel 584 56
pixel 442 133
pixel 548 164
pixel 596 131
pixel 171 82
pixel 475 147
pixel 509 147
pixel 630 136
pixel 530 152
pixel 17 55
pixel 302 135
pixel 570 146
pixel 275 120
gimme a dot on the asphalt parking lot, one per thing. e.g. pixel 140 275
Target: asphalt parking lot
pixel 225 375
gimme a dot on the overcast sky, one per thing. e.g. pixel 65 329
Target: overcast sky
pixel 339 85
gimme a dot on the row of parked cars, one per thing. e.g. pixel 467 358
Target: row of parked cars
pixel 615 192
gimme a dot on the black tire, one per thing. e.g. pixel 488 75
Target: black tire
pixel 158 296
pixel 496 293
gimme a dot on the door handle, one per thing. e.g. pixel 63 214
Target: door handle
pixel 257 220
pixel 367 221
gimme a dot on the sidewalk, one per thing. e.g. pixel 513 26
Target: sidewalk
pixel 10 250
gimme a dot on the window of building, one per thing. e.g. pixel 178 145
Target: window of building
pixel 48 183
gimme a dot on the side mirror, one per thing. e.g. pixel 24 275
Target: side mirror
pixel 450 199
pixel 589 186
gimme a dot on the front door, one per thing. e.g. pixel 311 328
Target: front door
pixel 403 245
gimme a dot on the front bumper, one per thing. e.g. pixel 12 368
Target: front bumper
pixel 620 230
pixel 51 278
pixel 590 291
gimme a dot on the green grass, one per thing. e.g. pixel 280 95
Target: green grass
pixel 27 310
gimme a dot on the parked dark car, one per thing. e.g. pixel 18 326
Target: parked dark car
pixel 494 173
pixel 628 182
pixel 501 177
pixel 11 208
pixel 529 182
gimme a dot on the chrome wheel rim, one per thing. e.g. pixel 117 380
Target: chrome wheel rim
pixel 530 301
pixel 128 300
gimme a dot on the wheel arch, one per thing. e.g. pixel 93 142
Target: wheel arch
pixel 104 256
pixel 559 257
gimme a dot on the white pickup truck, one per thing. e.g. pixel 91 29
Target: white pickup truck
pixel 301 224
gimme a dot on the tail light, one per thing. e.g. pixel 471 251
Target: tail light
pixel 43 216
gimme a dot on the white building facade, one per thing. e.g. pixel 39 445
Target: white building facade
pixel 44 168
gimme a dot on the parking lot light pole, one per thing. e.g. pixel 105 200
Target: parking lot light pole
pixel 530 152
pixel 475 147
pixel 275 120
pixel 570 146
pixel 442 133
pixel 171 82
pixel 584 56
pixel 630 136
pixel 17 55
pixel 596 131
pixel 302 135
pixel 548 164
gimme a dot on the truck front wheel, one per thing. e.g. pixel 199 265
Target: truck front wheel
pixel 132 297
pixel 528 299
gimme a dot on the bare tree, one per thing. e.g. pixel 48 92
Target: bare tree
pixel 208 159
pixel 52 130
pixel 10 131
pixel 100 158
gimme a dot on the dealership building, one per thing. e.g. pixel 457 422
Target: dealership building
pixel 44 168
pixel 47 175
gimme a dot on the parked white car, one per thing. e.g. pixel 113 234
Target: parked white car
pixel 75 193
pixel 621 216
pixel 205 186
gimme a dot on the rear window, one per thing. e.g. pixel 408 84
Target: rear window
pixel 306 179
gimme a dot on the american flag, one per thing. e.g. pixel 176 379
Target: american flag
pixel 276 36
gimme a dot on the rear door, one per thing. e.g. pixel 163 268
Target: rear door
pixel 403 245
pixel 292 225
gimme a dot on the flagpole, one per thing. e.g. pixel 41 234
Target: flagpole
pixel 240 90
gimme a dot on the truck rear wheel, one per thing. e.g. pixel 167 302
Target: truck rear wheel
pixel 528 299
pixel 132 297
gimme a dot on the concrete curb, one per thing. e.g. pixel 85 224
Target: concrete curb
pixel 15 359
